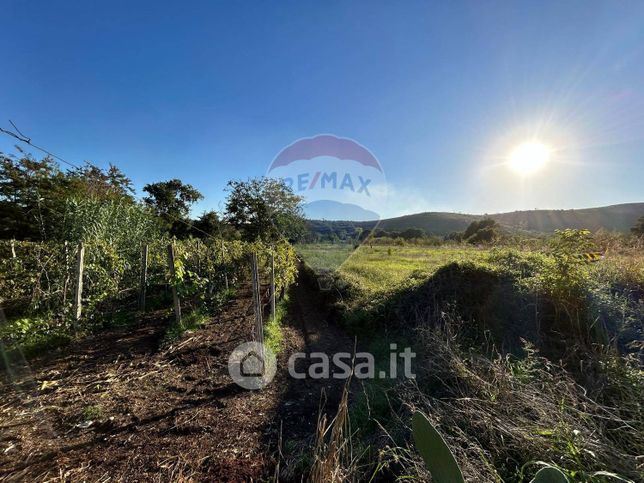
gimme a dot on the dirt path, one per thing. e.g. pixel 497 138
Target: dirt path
pixel 311 329
pixel 116 406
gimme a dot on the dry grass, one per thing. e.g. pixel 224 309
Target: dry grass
pixel 501 417
pixel 333 460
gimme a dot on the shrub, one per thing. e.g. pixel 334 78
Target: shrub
pixel 482 231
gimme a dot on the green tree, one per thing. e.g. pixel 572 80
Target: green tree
pixel 208 224
pixel 364 234
pixel 34 194
pixel 482 231
pixel 172 200
pixel 264 208
pixel 31 197
pixel 410 233
pixel 455 236
pixel 93 182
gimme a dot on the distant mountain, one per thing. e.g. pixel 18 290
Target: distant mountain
pixel 436 223
pixel 613 218
pixel 334 210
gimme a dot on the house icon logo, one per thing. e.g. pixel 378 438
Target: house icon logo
pixel 252 365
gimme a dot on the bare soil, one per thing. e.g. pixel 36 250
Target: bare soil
pixel 119 406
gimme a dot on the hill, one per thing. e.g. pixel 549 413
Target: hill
pixel 436 223
pixel 613 218
pixel 333 210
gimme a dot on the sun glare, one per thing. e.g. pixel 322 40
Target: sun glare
pixel 528 158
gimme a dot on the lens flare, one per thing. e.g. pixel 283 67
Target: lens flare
pixel 528 158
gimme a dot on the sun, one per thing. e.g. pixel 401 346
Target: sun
pixel 528 158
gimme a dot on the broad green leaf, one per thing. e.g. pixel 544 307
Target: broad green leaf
pixel 437 456
pixel 549 474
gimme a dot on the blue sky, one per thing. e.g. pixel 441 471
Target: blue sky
pixel 440 92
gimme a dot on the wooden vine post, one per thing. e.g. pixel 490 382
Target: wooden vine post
pixel 66 282
pixel 223 261
pixel 144 277
pixel 272 286
pixel 175 295
pixel 8 367
pixel 78 288
pixel 257 300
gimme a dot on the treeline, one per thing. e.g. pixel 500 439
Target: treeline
pixel 349 231
pixel 41 202
pixel 486 230
pixel 457 227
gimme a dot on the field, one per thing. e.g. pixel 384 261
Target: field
pixel 523 357
pixel 379 268
pixel 501 333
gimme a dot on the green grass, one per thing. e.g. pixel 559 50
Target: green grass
pixel 92 413
pixel 34 335
pixel 324 256
pixel 382 268
pixel 379 269
pixel 598 298
pixel 273 334
pixel 192 321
